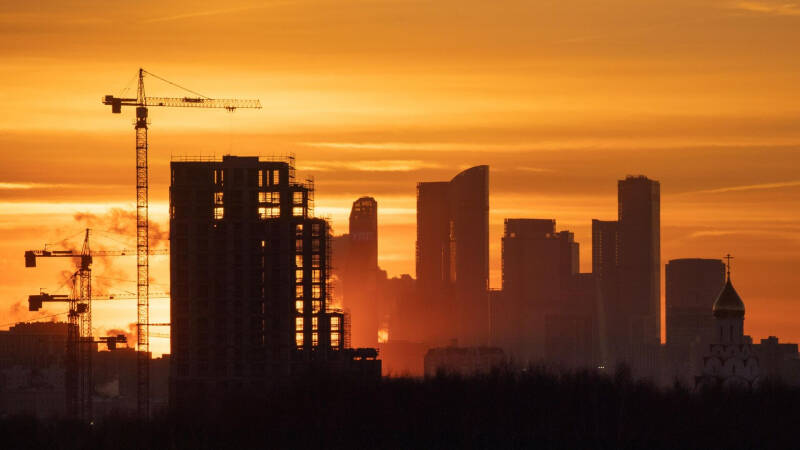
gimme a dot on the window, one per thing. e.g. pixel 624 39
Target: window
pixel 273 211
pixel 316 291
pixel 316 274
pixel 314 339
pixel 219 212
pixel 298 275
pixel 276 177
pixel 316 229
pixel 315 260
pixel 298 305
pixel 335 323
pixel 298 260
pixel 297 198
pixel 298 231
pixel 275 197
pixel 263 197
pixel 315 323
pixel 315 306
pixel 298 340
pixel 335 339
pixel 315 245
pixel 263 244
pixel 260 178
pixel 262 212
pixel 297 211
pixel 298 324
pixel 298 291
pixel 219 176
pixel 298 245
pixel 218 198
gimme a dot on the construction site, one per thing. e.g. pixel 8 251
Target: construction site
pixel 248 295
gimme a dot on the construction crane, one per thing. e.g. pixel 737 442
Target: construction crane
pixel 78 374
pixel 142 102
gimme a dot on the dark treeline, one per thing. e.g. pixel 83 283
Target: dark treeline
pixel 501 410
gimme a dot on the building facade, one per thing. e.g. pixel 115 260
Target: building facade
pixel 639 217
pixel 361 272
pixel 605 268
pixel 692 286
pixel 453 257
pixel 249 277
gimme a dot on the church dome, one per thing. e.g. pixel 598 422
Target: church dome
pixel 728 303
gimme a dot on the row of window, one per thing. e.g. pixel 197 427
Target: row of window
pixel 299 338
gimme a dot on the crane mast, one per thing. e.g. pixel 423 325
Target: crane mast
pixel 141 102
pixel 142 257
pixel 80 341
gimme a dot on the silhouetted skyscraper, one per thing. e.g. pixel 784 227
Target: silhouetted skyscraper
pixel 435 304
pixel 361 272
pixel 605 267
pixel 249 273
pixel 692 286
pixel 453 255
pixel 469 253
pixel 639 261
pixel 538 269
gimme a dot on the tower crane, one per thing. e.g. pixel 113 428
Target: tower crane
pixel 78 374
pixel 142 102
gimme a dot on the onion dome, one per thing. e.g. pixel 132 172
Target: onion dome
pixel 728 303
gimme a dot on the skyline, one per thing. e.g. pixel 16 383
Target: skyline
pixel 698 95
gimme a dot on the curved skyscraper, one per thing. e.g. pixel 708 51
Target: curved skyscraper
pixel 453 257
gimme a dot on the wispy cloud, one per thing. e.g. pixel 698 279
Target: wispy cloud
pixel 778 8
pixel 19 186
pixel 749 187
pixel 213 12
pixel 439 146
pixel 390 165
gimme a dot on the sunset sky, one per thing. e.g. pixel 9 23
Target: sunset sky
pixel 559 98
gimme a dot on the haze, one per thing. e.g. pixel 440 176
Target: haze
pixel 560 99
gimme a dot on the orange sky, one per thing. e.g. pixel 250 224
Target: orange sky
pixel 560 98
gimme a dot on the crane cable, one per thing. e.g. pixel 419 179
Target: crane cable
pixel 177 85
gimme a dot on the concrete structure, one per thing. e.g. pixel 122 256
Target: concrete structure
pixel 639 259
pixel 453 256
pixel 249 268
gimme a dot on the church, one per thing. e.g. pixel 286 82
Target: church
pixel 729 360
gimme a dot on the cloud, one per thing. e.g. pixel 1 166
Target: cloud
pixel 771 7
pixel 213 12
pixel 749 187
pixel 15 186
pixel 386 165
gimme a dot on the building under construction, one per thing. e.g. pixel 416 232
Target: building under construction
pixel 249 273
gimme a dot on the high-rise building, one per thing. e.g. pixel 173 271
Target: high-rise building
pixel 539 266
pixel 453 256
pixel 605 268
pixel 639 263
pixel 469 253
pixel 249 272
pixel 692 285
pixel 360 274
pixel 433 240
